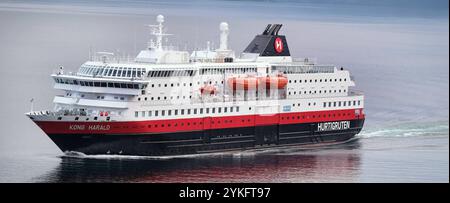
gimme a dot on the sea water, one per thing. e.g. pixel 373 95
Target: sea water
pixel 398 52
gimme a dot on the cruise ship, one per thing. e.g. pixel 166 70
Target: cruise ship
pixel 170 102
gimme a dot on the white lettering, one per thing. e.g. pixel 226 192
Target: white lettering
pixel 330 126
pixel 99 127
pixel 76 127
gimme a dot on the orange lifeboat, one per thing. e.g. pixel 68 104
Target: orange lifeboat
pixel 245 83
pixel 279 81
pixel 208 89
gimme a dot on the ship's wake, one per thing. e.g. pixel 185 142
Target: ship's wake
pixel 408 130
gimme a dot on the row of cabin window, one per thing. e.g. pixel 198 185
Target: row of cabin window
pixel 113 71
pixel 303 69
pixel 342 103
pixel 98 97
pixel 334 104
pixel 315 92
pixel 215 71
pixel 184 84
pixel 95 118
pixel 97 84
pixel 316 80
pixel 161 98
pixel 195 123
pixel 314 116
pixel 187 111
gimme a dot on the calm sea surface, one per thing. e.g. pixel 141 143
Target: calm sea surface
pixel 398 52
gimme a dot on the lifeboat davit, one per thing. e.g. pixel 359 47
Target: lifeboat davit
pixel 243 83
pixel 278 82
pixel 208 89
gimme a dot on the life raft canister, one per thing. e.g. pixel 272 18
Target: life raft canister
pixel 250 83
pixel 278 82
pixel 245 83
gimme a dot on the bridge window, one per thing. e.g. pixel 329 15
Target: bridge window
pixel 136 114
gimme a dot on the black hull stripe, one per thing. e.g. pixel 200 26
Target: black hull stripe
pixel 195 142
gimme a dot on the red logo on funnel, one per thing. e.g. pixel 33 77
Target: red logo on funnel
pixel 278 45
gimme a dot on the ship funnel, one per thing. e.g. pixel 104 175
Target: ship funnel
pixel 269 43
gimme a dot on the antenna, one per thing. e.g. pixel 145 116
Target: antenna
pixel 90 53
pixel 31 104
pixel 158 32
pixel 135 52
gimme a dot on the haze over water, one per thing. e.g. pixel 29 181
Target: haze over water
pixel 398 52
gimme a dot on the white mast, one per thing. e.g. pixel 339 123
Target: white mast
pixel 223 36
pixel 158 32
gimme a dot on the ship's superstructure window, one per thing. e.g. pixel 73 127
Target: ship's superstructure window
pixel 170 73
pixel 234 70
pixel 100 84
